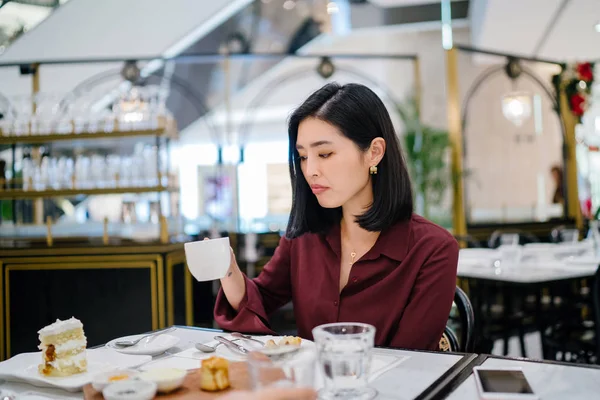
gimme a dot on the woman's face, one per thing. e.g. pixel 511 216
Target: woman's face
pixel 336 170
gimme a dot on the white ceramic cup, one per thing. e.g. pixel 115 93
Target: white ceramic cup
pixel 208 260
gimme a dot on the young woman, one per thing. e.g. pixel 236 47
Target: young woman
pixel 353 251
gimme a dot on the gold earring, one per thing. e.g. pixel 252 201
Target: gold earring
pixel 373 170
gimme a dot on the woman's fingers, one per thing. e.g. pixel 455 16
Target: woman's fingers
pixel 273 394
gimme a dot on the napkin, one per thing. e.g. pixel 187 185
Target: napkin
pixel 380 364
pixel 194 353
pixel 172 362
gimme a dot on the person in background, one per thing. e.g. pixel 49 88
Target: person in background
pixel 557 175
pixel 585 196
pixel 354 251
pixel 5 212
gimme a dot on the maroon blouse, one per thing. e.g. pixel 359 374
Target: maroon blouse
pixel 404 286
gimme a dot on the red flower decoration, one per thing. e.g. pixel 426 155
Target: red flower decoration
pixel 577 104
pixel 585 72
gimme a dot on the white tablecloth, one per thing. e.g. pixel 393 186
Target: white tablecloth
pixel 483 264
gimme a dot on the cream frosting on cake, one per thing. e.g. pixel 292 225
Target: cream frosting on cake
pixel 60 327
pixel 63 346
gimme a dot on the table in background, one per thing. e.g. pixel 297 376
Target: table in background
pixel 515 284
pixel 532 272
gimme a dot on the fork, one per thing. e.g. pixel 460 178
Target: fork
pixel 130 343
pixel 238 335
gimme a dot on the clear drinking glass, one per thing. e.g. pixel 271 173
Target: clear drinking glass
pixel 23 112
pixel 344 354
pixel 509 239
pixel 510 256
pixel 283 367
pixel 569 235
pixel 8 121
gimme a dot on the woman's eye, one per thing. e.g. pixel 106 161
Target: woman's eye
pixel 302 158
pixel 325 155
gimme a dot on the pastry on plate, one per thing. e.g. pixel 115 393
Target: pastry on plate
pixel 284 341
pixel 214 374
pixel 63 346
pixel 290 341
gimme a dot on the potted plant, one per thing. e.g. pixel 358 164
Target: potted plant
pixel 426 150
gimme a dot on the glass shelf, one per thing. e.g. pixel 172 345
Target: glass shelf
pixel 165 128
pixel 35 194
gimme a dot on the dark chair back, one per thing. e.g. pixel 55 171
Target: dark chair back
pixel 524 237
pixel 449 341
pixel 469 240
pixel 558 233
pixel 466 317
pixel 596 307
pixel 467 320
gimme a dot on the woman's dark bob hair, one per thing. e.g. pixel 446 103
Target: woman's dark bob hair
pixel 361 116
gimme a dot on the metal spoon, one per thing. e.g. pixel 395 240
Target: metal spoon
pixel 206 348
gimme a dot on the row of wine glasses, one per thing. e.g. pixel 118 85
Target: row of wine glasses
pixel 137 108
pixel 140 169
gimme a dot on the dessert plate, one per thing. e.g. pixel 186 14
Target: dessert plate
pixel 24 368
pixel 151 346
pixel 232 355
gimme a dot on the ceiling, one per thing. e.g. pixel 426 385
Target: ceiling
pixel 562 30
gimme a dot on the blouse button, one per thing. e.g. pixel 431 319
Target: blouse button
pixel 335 303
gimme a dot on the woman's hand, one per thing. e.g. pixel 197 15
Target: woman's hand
pixel 273 394
pixel 233 283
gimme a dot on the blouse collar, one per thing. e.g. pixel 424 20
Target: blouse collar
pixel 392 242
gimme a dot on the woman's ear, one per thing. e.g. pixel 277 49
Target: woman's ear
pixel 376 151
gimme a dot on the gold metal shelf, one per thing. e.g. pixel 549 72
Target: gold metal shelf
pixel 18 194
pixel 56 137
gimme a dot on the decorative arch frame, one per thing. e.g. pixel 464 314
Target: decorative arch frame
pixel 528 73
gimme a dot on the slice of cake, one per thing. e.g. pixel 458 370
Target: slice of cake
pixel 63 345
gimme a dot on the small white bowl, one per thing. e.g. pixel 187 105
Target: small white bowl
pixel 130 390
pixel 166 379
pixel 100 381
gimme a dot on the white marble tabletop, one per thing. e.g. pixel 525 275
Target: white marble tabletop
pixel 405 380
pixel 548 381
pixel 537 265
pixel 525 272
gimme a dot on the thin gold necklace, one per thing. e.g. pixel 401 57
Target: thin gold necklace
pixel 352 253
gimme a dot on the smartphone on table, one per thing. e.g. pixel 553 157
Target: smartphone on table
pixel 503 384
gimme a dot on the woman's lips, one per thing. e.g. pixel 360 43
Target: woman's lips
pixel 318 189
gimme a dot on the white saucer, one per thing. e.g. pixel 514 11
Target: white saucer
pixel 232 355
pixel 151 346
